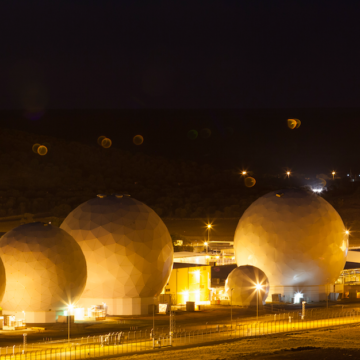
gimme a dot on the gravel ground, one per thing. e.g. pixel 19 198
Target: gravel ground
pixel 320 344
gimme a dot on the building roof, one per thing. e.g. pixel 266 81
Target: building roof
pixel 351 265
pixel 185 265
pixel 182 254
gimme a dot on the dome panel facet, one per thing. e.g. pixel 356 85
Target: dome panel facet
pixel 130 241
pixel 297 238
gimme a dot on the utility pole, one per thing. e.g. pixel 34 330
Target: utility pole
pixel 231 305
pixel 303 310
pixel 24 341
pixel 327 294
pixel 171 325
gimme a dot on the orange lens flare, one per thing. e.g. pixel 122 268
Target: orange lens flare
pixel 250 182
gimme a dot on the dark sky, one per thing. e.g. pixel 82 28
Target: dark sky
pixel 179 54
pixel 257 140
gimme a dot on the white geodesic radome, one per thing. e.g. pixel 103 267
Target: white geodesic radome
pixel 243 281
pixel 127 247
pixel 294 236
pixel 2 280
pixel 45 268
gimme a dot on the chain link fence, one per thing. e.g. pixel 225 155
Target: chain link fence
pixel 113 344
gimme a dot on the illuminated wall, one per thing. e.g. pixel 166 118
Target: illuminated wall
pixel 189 284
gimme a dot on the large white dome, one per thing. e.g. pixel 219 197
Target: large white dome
pixel 127 247
pixel 295 237
pixel 45 268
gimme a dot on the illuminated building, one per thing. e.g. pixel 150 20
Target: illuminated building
pixel 128 251
pixel 221 257
pixel 297 238
pixel 45 272
pixel 348 283
pixel 188 283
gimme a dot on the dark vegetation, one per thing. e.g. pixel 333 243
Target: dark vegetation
pixel 72 173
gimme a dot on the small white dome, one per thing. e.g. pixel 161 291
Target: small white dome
pixel 245 282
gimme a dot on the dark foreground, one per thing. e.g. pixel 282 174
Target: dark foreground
pixel 334 343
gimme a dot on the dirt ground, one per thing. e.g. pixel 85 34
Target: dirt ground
pixel 336 343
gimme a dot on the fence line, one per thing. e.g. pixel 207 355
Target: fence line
pixel 120 343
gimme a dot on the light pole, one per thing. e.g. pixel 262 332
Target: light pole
pixel 69 327
pixel 231 290
pixel 327 295
pixel 208 239
pixel 303 310
pixel 154 318
pixel 70 308
pixel 206 245
pixel 333 174
pixel 258 288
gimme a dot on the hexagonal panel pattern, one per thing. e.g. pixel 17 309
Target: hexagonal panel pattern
pixel 45 268
pixel 243 280
pixel 294 236
pixel 127 247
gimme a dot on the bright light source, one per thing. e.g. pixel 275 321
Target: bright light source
pixel 186 296
pixel 347 232
pixel 243 172
pixel 348 174
pixel 333 173
pixel 205 243
pixel 297 297
pixel 318 190
pixel 209 226
pixel 258 287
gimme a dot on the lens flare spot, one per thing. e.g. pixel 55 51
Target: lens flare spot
pixel 42 150
pixel 298 123
pixel 35 148
pixel 250 182
pixel 106 143
pixel 291 123
pixel 100 139
pixel 192 134
pixel 138 139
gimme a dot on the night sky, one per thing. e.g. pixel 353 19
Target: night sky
pixel 179 54
pixel 160 69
